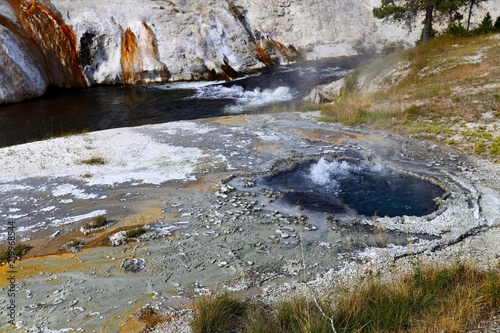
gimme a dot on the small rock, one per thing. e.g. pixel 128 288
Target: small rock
pixel 133 265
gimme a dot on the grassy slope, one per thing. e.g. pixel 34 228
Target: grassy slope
pixel 447 299
pixel 446 90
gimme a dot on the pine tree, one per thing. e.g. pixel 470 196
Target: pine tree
pixel 408 11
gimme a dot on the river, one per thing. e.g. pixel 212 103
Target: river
pixel 66 111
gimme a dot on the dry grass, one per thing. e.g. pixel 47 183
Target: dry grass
pixel 96 222
pixel 220 313
pixel 96 160
pixel 433 90
pixel 430 299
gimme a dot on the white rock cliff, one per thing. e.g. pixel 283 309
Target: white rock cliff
pixel 86 42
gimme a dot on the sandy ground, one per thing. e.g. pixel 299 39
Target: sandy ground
pixel 210 223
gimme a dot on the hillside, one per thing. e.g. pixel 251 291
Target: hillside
pixel 447 90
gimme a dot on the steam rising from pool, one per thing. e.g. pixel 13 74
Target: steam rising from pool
pixel 369 189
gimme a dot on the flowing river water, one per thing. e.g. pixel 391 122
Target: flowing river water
pixel 63 111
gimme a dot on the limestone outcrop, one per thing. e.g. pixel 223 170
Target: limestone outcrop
pixel 86 42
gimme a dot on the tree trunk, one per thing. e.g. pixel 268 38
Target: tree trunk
pixel 427 35
pixel 472 2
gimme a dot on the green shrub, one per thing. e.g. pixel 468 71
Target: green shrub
pixel 496 26
pixel 17 252
pixel 134 233
pixel 486 25
pixel 456 29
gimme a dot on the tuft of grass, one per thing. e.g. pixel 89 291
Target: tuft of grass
pixel 96 222
pixel 221 313
pixel 479 147
pixel 260 319
pixel 51 134
pixel 15 253
pixel 134 233
pixel 495 147
pixel 429 299
pixel 300 314
pixel 350 112
pixel 94 161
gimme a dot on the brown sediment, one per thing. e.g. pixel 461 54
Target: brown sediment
pixel 325 136
pixel 154 41
pixel 55 41
pixel 228 120
pixel 238 14
pixel 42 247
pixel 265 146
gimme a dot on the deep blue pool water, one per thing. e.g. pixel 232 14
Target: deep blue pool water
pixel 369 189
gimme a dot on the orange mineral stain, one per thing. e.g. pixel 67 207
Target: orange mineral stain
pixel 130 56
pixel 55 41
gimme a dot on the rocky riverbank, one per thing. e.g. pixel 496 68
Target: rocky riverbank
pixel 210 223
pixel 78 43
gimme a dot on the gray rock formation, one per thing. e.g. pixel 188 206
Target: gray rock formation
pixel 85 42
pixel 75 43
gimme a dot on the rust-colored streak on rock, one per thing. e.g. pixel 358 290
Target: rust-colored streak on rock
pixel 140 58
pixel 262 53
pixel 56 42
pixel 283 50
pixel 130 56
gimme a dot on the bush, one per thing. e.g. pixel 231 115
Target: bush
pixel 486 25
pixel 134 233
pixel 96 222
pixel 456 29
pixel 18 251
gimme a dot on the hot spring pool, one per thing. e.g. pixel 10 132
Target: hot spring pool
pixel 367 188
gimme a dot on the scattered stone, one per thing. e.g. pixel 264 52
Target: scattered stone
pixel 118 238
pixel 133 265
